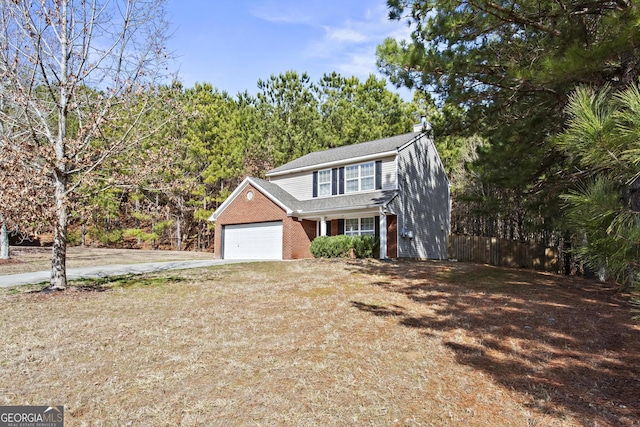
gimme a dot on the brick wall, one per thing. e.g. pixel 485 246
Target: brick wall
pixel 297 235
pixel 297 238
pixel 244 211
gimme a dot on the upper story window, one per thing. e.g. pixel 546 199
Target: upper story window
pixel 359 177
pixel 347 179
pixel 324 182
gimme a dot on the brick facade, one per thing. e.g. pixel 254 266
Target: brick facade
pixel 297 238
pixel 297 235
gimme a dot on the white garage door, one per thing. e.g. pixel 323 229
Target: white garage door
pixel 253 241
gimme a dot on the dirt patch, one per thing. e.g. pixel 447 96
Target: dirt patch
pixel 327 343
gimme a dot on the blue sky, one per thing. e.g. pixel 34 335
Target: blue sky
pixel 231 44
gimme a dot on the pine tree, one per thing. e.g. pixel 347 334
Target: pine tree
pixel 603 139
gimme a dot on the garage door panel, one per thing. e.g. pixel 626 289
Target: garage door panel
pixel 253 241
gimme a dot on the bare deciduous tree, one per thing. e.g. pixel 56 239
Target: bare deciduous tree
pixel 77 78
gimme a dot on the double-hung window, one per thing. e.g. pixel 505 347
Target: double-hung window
pixel 324 182
pixel 360 177
pixel 359 226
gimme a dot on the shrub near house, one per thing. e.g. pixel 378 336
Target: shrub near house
pixel 341 246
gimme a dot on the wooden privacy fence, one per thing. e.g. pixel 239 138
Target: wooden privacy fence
pixel 502 252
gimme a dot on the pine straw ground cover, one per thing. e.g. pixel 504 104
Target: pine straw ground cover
pixel 321 342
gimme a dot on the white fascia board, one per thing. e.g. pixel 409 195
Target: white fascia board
pixel 351 212
pixel 230 199
pixel 341 211
pixel 326 165
pixel 271 197
pixel 248 180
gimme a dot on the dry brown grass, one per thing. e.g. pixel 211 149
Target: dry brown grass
pixel 28 259
pixel 326 343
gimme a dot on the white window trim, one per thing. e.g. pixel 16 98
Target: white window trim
pixel 360 167
pixel 360 231
pixel 321 183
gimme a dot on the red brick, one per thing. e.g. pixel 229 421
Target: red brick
pixel 297 235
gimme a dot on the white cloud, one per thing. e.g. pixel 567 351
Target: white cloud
pixel 350 45
pixel 346 42
pixel 345 35
pixel 359 64
pixel 281 12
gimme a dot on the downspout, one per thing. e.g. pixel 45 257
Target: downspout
pixel 383 232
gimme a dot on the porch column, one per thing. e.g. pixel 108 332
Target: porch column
pixel 323 227
pixel 383 234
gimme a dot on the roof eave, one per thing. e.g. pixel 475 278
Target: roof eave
pixel 374 205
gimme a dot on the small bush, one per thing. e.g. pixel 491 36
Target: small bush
pixel 139 234
pixel 74 237
pixel 106 237
pixel 366 247
pixel 340 246
pixel 331 247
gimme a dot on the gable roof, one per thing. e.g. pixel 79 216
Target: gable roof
pixel 347 152
pixel 276 194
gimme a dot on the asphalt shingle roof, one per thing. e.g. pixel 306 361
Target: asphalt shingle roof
pixel 347 152
pixel 276 191
pixel 346 201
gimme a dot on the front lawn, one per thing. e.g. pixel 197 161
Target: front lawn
pixel 323 342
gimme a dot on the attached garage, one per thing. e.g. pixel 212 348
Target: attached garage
pixel 261 240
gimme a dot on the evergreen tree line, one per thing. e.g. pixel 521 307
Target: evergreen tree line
pixel 162 193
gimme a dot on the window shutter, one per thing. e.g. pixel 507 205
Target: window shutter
pixel 341 181
pixel 379 175
pixel 315 184
pixel 329 228
pixel 334 181
pixel 376 224
pixel 340 226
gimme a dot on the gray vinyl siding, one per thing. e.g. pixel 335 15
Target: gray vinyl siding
pixel 423 204
pixel 300 185
pixel 389 174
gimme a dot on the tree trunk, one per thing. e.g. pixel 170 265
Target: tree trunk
pixel 153 224
pixel 137 221
pixel 178 234
pixel 59 251
pixel 4 242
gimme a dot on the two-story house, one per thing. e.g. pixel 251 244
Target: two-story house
pixel 393 188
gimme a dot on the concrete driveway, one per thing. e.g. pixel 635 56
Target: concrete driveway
pixel 11 280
